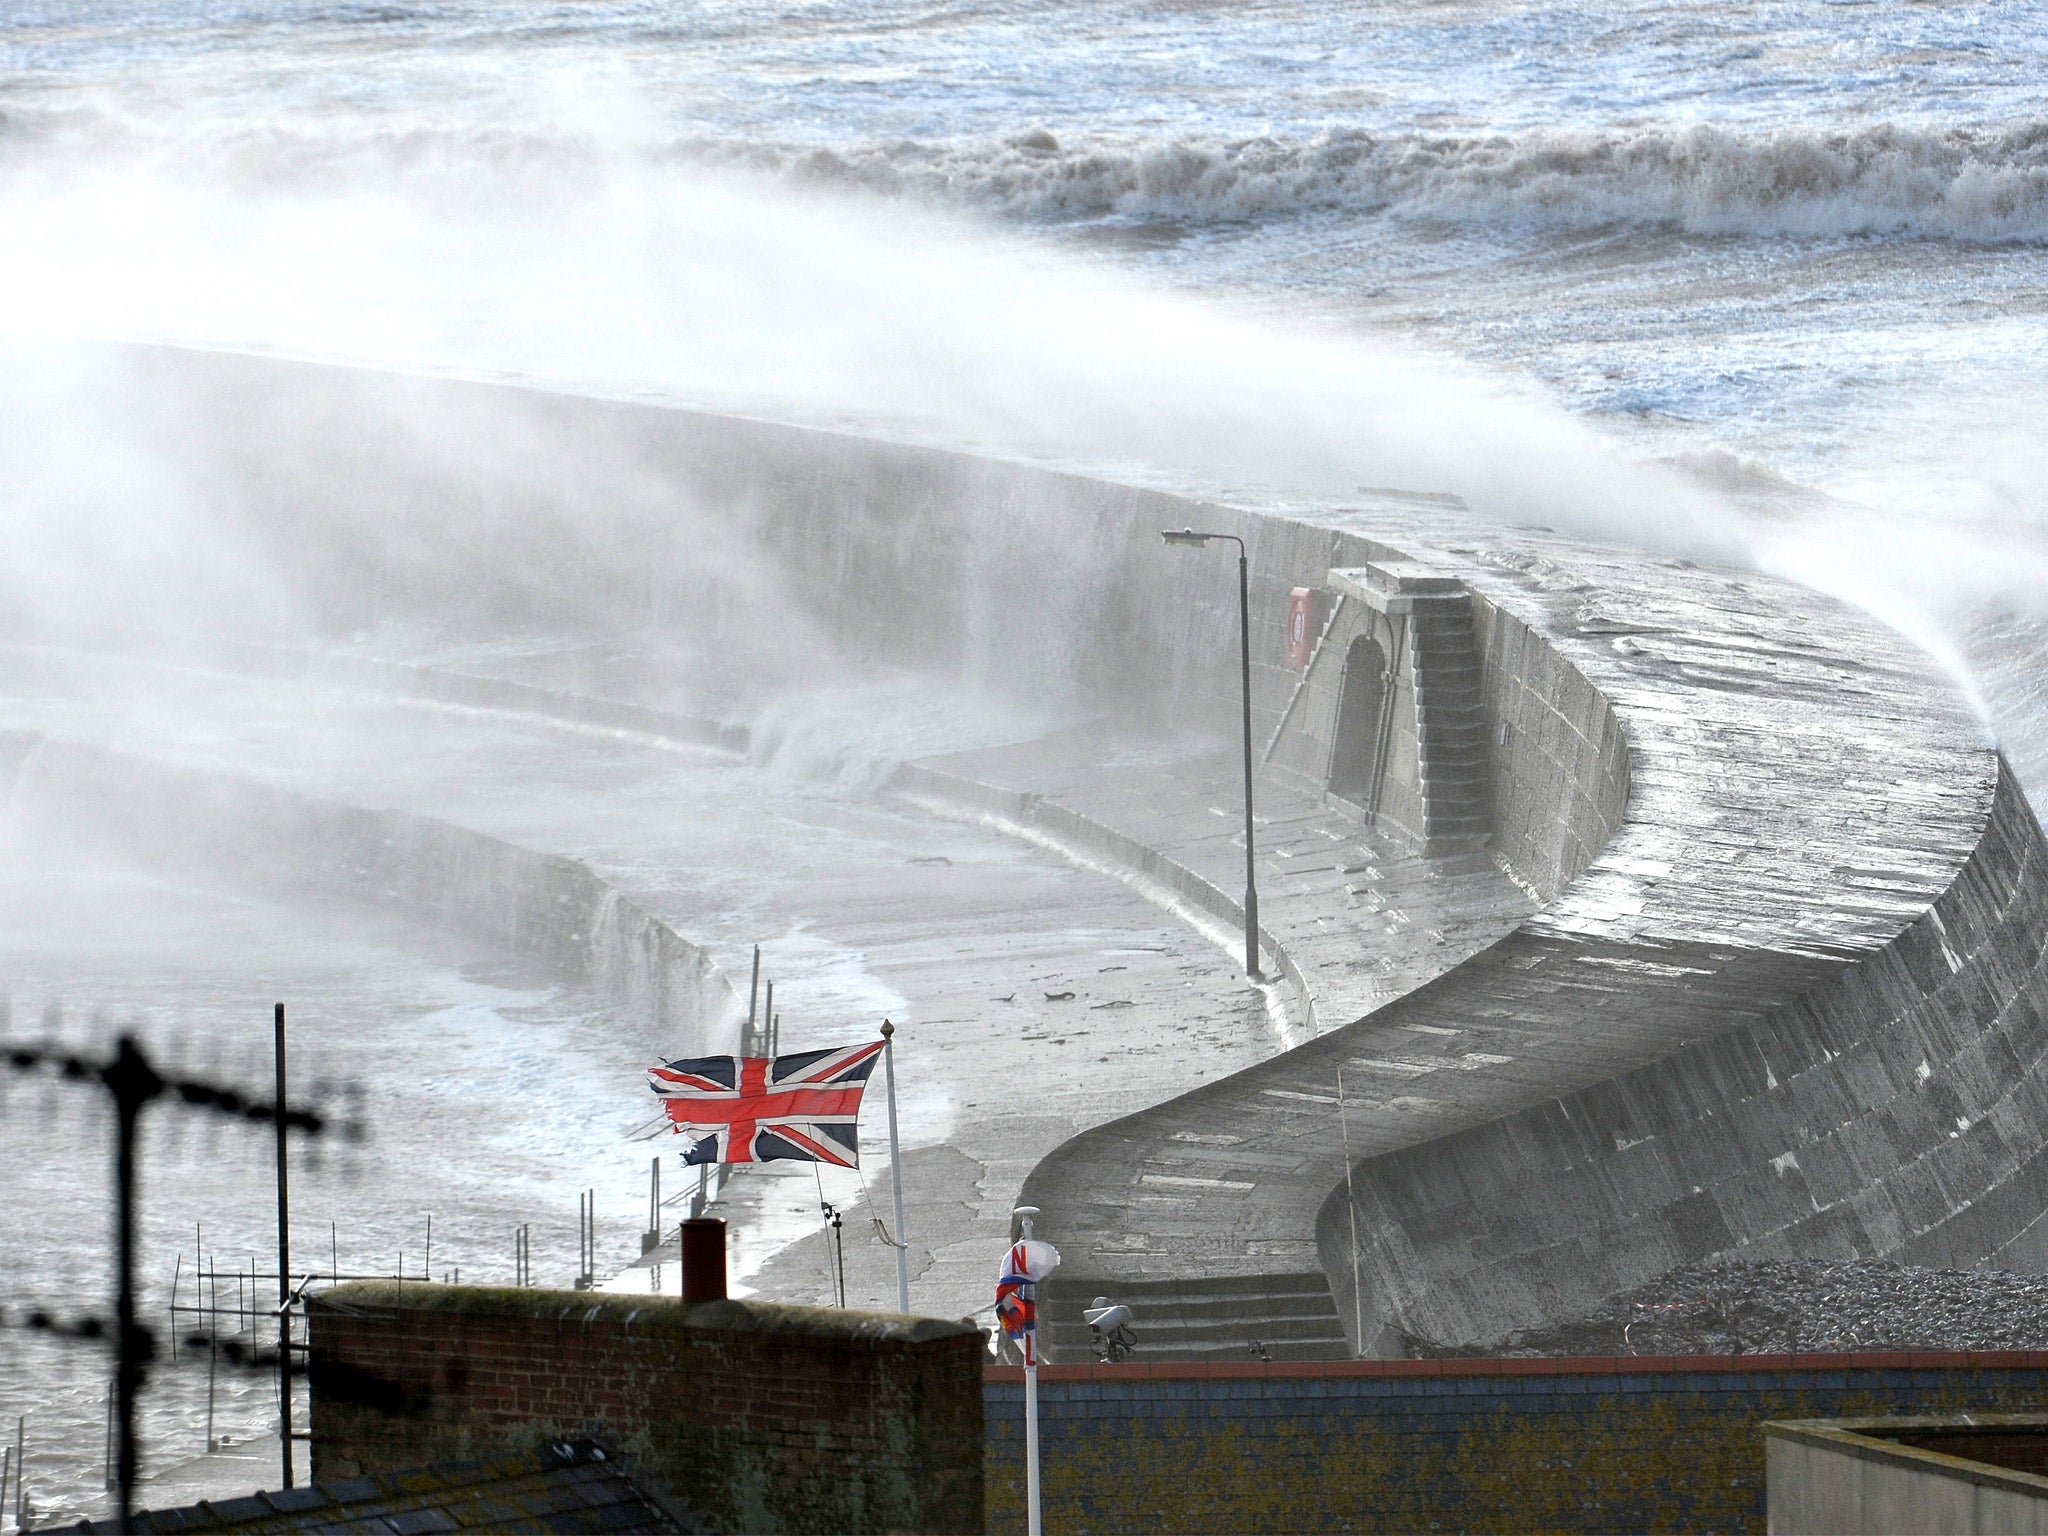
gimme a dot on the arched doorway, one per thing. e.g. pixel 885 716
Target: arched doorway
pixel 1355 750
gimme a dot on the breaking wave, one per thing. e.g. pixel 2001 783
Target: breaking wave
pixel 1967 184
pixel 1973 184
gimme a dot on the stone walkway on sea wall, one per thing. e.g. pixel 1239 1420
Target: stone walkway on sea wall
pixel 1360 916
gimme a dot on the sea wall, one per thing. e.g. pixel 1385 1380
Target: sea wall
pixel 552 910
pixel 1894 1108
pixel 468 504
pixel 1784 992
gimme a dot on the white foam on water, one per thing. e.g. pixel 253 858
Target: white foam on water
pixel 1885 178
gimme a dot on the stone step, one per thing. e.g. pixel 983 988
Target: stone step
pixel 1454 826
pixel 1459 787
pixel 1204 1310
pixel 1231 1353
pixel 1454 717
pixel 1215 1331
pixel 1455 781
pixel 1448 696
pixel 1439 710
pixel 1160 1341
pixel 1453 797
pixel 1441 680
pixel 1449 763
pixel 1442 745
pixel 1071 1344
pixel 1291 1316
pixel 1278 1283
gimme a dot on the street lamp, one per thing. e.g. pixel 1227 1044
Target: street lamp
pixel 1192 539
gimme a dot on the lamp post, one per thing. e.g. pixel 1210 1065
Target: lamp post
pixel 1192 539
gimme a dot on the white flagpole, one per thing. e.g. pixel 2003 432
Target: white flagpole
pixel 1351 1206
pixel 1034 1521
pixel 896 1170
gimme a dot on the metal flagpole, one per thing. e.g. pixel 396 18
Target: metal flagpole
pixel 896 1169
pixel 753 997
pixel 284 1264
pixel 1351 1204
pixel 1034 1515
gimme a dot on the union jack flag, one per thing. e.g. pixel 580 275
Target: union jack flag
pixel 757 1109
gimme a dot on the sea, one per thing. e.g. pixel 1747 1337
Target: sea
pixel 1761 282
pixel 1799 251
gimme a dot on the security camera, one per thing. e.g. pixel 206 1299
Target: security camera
pixel 1109 1329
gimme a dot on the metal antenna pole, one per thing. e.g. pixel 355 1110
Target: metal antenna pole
pixel 1244 641
pixel 212 1363
pixel 896 1170
pixel 133 1083
pixel 284 1264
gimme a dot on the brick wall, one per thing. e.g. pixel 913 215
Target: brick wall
pixel 760 1417
pixel 1636 1444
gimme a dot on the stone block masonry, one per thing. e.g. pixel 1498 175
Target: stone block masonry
pixel 760 1418
pixel 1522 1445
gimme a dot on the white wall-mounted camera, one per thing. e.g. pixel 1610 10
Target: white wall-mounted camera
pixel 1109 1329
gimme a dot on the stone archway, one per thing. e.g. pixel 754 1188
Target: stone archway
pixel 1355 747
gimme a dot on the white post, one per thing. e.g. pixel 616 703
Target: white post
pixel 1351 1205
pixel 1033 1516
pixel 896 1170
pixel 1034 1519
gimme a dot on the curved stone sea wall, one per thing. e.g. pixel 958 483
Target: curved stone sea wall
pixel 1892 1105
pixel 1785 991
pixel 554 911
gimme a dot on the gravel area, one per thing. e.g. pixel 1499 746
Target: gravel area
pixel 1804 1305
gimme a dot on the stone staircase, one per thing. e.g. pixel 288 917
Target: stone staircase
pixel 1450 718
pixel 1450 722
pixel 1229 1318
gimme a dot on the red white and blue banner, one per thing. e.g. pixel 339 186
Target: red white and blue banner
pixel 756 1109
pixel 1027 1263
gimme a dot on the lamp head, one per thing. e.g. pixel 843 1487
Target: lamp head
pixel 1186 536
